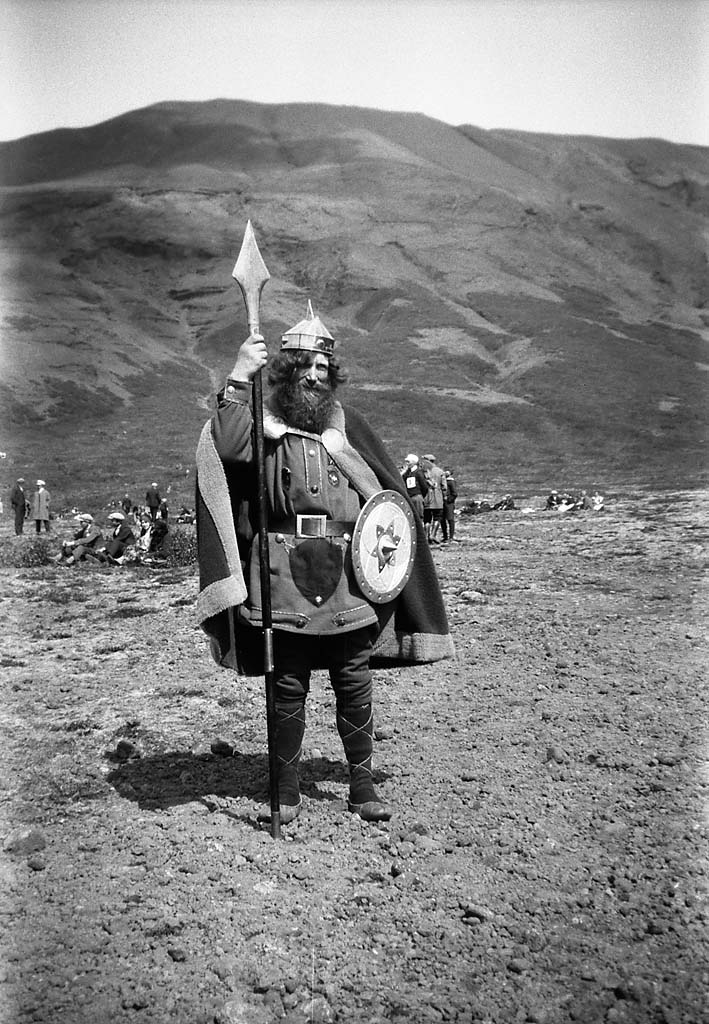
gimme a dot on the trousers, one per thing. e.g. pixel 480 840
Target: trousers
pixel 345 654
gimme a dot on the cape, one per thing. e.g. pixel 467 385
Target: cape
pixel 417 632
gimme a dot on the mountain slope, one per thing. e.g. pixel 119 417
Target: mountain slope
pixel 530 307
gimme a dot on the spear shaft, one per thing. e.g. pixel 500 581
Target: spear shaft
pixel 251 275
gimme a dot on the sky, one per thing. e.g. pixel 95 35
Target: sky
pixel 621 68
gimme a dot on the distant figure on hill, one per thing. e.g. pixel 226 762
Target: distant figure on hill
pixel 126 504
pixel 18 501
pixel 597 502
pixel 152 500
pixel 163 509
pixel 448 520
pixel 415 482
pixel 40 507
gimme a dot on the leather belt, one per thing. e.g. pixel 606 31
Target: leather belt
pixel 314 526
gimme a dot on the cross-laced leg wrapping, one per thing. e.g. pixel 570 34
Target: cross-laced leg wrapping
pixel 356 728
pixel 290 729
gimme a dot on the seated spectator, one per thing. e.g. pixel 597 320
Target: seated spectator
pixel 85 541
pixel 144 531
pixel 159 540
pixel 119 540
pixel 158 536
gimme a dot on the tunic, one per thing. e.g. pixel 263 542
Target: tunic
pixel 412 629
pixel 313 589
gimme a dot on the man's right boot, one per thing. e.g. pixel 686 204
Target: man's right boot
pixel 290 729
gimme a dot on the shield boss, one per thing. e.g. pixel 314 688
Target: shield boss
pixel 383 546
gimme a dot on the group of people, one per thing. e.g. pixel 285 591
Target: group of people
pixel 479 505
pixel 433 492
pixel 89 542
pixel 125 539
pixel 145 533
pixel 33 506
pixel 155 505
pixel 563 501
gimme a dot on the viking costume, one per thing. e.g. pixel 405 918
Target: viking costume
pixel 317 485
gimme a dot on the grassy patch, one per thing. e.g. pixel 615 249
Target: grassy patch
pixel 183 546
pixel 25 553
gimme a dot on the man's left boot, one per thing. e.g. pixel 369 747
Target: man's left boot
pixel 356 729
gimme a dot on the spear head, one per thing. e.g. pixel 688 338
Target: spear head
pixel 251 274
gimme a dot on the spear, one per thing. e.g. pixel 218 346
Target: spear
pixel 251 275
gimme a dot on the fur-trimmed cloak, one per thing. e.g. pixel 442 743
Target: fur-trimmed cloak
pixel 417 632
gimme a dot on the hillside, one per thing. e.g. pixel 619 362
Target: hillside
pixel 533 308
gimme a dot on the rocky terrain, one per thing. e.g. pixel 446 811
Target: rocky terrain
pixel 547 861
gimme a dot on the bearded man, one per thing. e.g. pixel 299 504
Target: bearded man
pixel 322 464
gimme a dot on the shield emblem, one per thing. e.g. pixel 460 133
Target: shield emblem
pixel 384 546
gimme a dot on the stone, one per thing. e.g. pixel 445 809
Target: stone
pixel 125 750
pixel 23 841
pixel 221 748
pixel 384 732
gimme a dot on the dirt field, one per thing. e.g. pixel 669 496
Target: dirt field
pixel 547 861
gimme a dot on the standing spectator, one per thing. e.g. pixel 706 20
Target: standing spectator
pixel 433 502
pixel 448 521
pixel 40 507
pixel 152 500
pixel 126 504
pixel 18 500
pixel 414 482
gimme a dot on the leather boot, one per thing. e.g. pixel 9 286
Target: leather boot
pixel 290 729
pixel 356 727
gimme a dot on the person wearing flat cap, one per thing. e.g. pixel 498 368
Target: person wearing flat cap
pixel 85 541
pixel 121 537
pixel 18 502
pixel 323 463
pixel 40 507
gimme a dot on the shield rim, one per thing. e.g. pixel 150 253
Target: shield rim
pixel 381 498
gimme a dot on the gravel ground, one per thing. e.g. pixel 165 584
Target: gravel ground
pixel 547 861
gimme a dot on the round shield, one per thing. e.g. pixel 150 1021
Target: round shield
pixel 383 546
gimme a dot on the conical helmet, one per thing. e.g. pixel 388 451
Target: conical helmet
pixel 309 335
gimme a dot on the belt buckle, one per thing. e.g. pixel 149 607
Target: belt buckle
pixel 310 526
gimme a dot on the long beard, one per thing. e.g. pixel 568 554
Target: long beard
pixel 306 408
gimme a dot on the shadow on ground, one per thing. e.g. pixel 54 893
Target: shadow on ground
pixel 175 778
